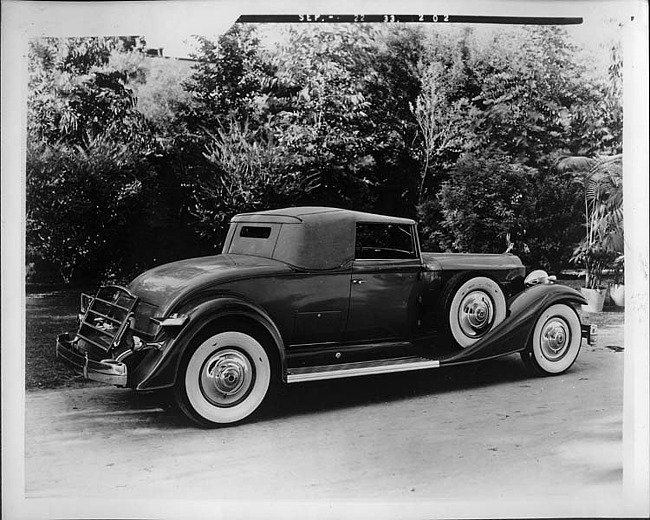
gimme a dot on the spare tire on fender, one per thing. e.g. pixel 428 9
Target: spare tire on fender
pixel 473 307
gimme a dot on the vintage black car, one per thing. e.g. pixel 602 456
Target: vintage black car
pixel 310 293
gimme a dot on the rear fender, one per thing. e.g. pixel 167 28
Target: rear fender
pixel 513 334
pixel 163 373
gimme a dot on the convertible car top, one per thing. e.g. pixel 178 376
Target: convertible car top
pixel 306 238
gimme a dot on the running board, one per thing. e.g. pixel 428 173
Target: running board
pixel 362 368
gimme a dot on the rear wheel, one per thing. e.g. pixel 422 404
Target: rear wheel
pixel 474 308
pixel 224 379
pixel 556 341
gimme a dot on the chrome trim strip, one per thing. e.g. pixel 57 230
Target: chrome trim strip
pixel 103 316
pixel 121 357
pixel 106 302
pixel 369 345
pixel 175 320
pixel 360 369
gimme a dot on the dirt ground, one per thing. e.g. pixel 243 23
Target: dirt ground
pixel 485 431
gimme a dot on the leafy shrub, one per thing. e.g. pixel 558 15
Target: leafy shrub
pixel 494 204
pixel 79 203
pixel 483 204
pixel 555 221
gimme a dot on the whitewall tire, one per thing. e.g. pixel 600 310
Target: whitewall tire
pixel 477 306
pixel 225 379
pixel 556 341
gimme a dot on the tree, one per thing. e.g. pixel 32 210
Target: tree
pixel 296 133
pixel 76 93
pixel 87 151
pixel 443 108
pixel 223 95
pixel 391 91
pixel 227 77
pixel 522 95
pixel 483 205
pixel 390 119
pixel 318 113
pixel 530 85
pixel 160 96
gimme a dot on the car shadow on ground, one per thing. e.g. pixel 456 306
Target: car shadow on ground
pixel 320 396
pixel 323 396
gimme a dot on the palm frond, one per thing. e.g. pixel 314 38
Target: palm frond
pixel 576 164
pixel 602 179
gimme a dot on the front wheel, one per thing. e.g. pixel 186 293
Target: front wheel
pixel 224 380
pixel 556 340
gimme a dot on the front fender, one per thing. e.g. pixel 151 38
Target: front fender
pixel 513 334
pixel 163 373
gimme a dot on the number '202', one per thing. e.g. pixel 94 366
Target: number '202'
pixel 434 18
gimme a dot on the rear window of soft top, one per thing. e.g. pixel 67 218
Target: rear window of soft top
pixel 255 232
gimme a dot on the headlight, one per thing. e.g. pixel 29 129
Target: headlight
pixel 538 277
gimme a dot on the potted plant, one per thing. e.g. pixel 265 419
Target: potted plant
pixel 602 180
pixel 596 259
pixel 617 288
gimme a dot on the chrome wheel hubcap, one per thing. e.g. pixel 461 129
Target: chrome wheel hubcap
pixel 476 314
pixel 555 339
pixel 226 377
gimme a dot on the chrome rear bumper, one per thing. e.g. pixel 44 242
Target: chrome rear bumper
pixel 105 371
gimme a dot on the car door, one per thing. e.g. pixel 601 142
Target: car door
pixel 384 283
pixel 320 306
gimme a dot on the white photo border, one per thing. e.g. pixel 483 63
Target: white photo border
pixel 24 20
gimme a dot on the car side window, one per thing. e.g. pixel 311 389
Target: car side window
pixel 384 241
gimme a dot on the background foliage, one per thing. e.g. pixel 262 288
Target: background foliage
pixel 133 161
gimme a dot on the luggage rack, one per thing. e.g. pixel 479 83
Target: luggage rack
pixel 106 316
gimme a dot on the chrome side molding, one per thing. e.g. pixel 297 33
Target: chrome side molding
pixel 384 366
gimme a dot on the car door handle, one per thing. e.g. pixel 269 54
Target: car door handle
pixel 356 281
